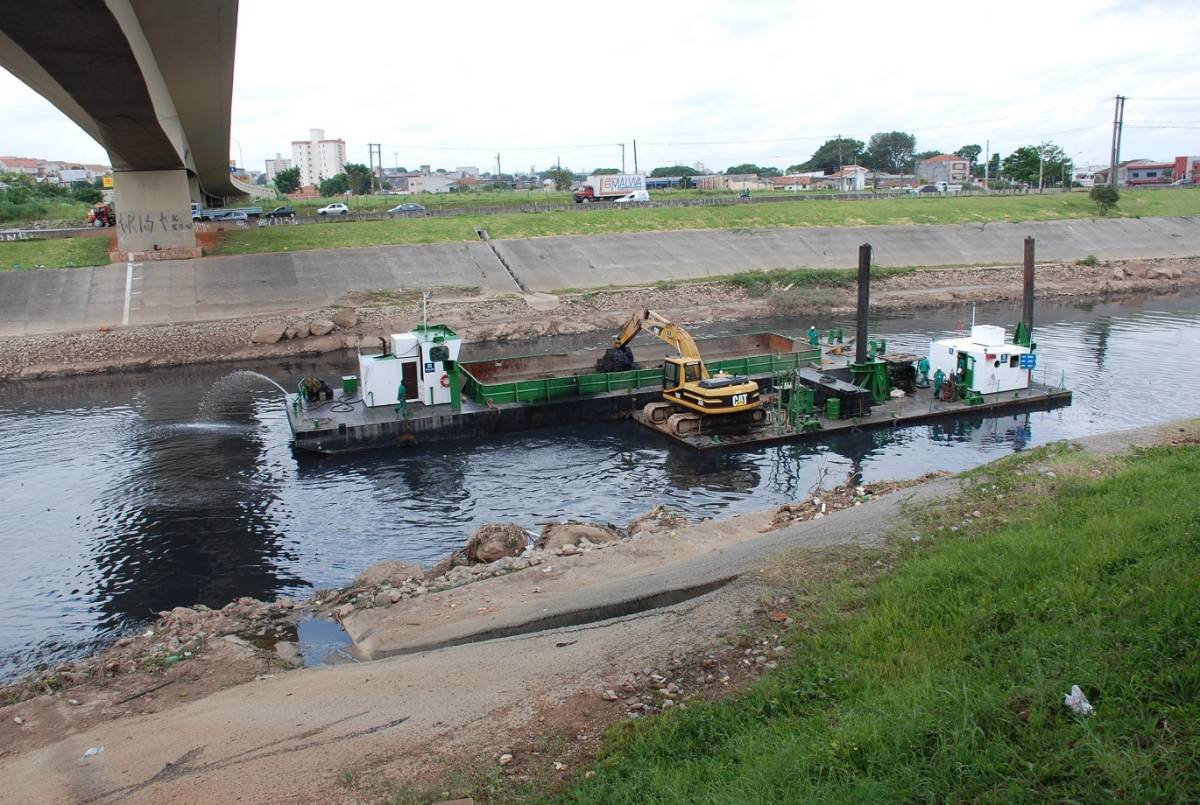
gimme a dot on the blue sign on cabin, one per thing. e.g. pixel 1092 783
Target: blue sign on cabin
pixel 428 366
pixel 1029 361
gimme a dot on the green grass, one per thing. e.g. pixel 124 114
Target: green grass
pixel 490 198
pixel 761 283
pixel 60 253
pixel 55 211
pixel 944 681
pixel 1053 206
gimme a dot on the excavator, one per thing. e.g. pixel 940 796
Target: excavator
pixel 690 394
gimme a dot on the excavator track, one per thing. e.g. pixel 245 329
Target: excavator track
pixel 658 412
pixel 683 424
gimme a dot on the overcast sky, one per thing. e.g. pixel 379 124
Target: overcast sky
pixel 452 83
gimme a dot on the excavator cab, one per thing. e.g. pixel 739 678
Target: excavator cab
pixel 679 371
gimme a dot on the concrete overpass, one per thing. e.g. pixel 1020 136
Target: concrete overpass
pixel 152 82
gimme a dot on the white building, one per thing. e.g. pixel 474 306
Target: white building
pixel 276 165
pixel 317 157
pixel 431 183
pixel 850 178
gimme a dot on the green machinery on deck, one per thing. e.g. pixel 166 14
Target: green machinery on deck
pixel 872 374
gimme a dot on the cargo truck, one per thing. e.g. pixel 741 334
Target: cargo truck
pixel 202 213
pixel 609 187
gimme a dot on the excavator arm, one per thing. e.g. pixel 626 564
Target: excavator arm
pixel 667 330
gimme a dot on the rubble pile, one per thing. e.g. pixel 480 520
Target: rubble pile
pixel 179 635
pixel 513 547
pixel 840 497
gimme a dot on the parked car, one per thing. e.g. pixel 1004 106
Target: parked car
pixel 280 212
pixel 409 207
pixel 337 208
pixel 1184 182
pixel 230 215
pixel 925 188
pixel 636 197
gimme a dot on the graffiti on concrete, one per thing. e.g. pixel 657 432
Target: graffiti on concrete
pixel 150 223
pixel 17 235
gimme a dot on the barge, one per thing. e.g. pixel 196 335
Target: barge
pixel 419 392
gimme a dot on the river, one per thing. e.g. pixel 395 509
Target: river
pixel 130 493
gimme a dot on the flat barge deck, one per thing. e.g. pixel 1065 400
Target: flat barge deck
pixel 507 395
pixel 916 408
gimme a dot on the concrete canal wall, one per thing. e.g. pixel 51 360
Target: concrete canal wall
pixel 547 264
pixel 57 300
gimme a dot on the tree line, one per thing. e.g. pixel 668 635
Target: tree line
pixel 887 152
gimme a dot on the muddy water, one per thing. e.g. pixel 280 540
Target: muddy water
pixel 121 499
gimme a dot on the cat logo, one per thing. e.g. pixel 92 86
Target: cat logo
pixel 739 399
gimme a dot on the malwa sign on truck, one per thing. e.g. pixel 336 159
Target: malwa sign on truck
pixel 606 186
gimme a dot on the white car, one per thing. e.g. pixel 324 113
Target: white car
pixel 636 197
pixel 337 208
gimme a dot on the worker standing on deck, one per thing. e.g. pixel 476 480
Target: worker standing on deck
pixel 939 377
pixel 814 337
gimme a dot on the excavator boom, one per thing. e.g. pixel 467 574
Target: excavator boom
pixel 690 394
pixel 664 328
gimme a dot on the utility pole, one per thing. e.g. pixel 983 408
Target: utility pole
pixel 396 160
pixel 987 163
pixel 1118 124
pixel 375 163
pixel 635 170
pixel 497 170
pixel 1041 166
pixel 622 156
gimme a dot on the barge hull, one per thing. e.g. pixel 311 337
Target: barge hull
pixel 913 411
pixel 314 430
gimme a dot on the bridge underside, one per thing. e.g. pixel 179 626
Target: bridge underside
pixel 150 81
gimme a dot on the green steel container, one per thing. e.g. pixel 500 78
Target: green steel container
pixel 833 408
pixel 349 385
pixel 567 386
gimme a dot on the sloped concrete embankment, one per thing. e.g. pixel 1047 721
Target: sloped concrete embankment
pixel 552 263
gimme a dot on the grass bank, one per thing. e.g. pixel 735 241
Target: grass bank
pixel 973 209
pixel 60 253
pixel 494 198
pixel 344 234
pixel 944 681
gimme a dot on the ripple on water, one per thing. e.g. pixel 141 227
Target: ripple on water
pixel 127 494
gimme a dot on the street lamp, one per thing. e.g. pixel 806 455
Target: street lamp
pixel 241 163
pixel 1070 160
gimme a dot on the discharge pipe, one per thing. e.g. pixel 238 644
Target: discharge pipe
pixel 864 302
pixel 1027 310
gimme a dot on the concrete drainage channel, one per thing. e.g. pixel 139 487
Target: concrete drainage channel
pixel 483 235
pixel 578 616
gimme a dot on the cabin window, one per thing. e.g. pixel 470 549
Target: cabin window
pixel 691 372
pixel 1014 361
pixel 670 375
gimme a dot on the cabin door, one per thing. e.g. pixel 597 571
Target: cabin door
pixel 409 381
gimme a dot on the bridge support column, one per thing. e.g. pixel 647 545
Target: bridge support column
pixel 154 216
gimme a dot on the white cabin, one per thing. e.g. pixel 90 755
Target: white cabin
pixel 990 362
pixel 416 368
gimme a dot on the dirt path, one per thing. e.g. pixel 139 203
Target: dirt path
pixel 513 318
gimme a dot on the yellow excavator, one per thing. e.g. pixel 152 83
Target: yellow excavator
pixel 691 395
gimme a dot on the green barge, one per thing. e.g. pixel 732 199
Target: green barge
pixel 420 391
